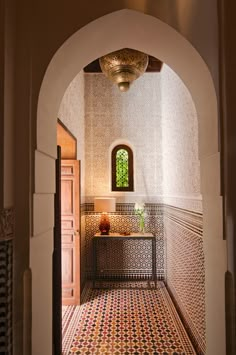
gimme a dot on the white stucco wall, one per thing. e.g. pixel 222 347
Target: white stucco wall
pixel 114 117
pixel 181 165
pixel 156 117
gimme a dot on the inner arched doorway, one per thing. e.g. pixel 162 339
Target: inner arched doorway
pixel 66 63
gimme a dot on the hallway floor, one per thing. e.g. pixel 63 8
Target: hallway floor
pixel 125 321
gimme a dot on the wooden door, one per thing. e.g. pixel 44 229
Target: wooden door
pixel 70 230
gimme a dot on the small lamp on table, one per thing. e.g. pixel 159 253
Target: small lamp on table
pixel 104 205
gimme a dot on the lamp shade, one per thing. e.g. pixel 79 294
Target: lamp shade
pixel 105 204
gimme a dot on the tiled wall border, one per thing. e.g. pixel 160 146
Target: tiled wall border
pixel 190 220
pixel 6 224
pixel 6 279
pixel 199 344
pixel 125 208
pixel 190 223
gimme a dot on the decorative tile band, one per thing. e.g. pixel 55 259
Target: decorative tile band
pixel 6 224
pixel 144 274
pixel 6 279
pixel 6 257
pixel 125 208
pixel 198 343
pixel 189 220
pixel 185 270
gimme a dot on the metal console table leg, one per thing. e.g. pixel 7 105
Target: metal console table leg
pixel 94 261
pixel 154 262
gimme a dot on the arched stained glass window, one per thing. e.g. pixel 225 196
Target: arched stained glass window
pixel 122 168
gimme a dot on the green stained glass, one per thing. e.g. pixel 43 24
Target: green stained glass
pixel 122 168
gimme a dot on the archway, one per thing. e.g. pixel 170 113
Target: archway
pixel 154 37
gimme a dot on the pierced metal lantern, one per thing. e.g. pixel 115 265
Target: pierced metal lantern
pixel 124 66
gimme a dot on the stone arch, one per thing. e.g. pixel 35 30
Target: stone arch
pixel 152 36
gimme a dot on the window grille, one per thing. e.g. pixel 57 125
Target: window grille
pixel 122 168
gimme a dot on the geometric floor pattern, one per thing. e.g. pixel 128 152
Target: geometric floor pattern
pixel 120 320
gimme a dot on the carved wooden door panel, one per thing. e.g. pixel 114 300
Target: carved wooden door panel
pixel 70 221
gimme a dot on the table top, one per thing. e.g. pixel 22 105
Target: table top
pixel 120 235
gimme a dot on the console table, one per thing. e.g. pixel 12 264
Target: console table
pixel 116 236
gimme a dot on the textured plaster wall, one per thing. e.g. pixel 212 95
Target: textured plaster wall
pixel 158 118
pixel 71 113
pixel 181 167
pixel 133 117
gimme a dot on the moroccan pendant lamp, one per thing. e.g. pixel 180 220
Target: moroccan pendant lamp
pixel 124 66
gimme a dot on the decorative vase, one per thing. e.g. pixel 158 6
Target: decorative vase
pixel 141 225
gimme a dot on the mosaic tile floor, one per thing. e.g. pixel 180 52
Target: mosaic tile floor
pixel 124 321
